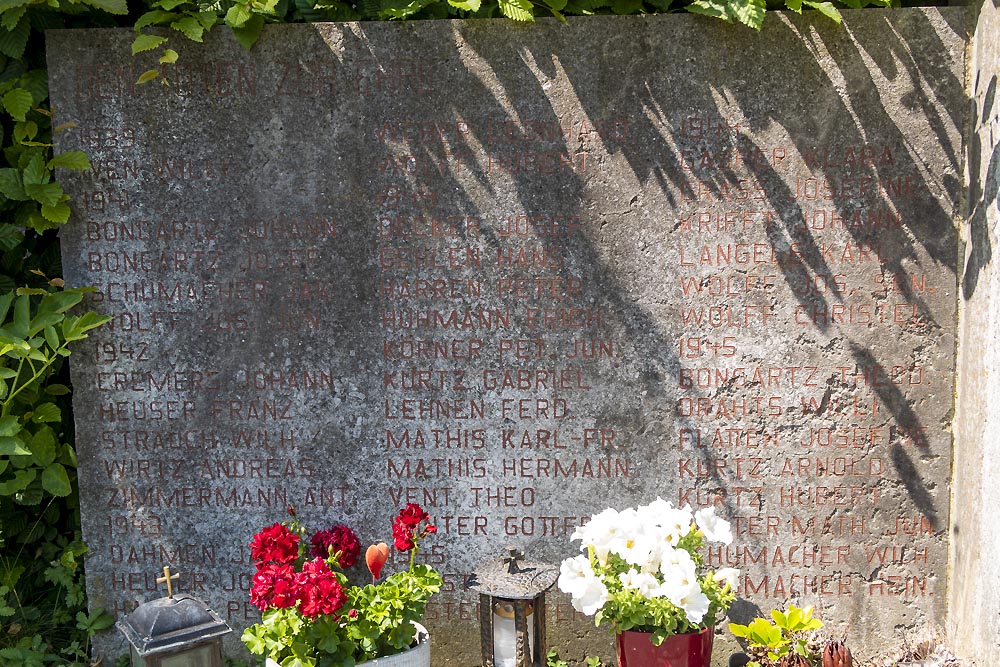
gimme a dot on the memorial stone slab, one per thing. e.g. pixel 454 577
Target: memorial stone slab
pixel 519 274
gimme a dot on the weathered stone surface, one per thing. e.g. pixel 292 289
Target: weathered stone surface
pixel 974 610
pixel 519 274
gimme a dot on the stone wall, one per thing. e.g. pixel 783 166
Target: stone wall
pixel 974 611
pixel 519 274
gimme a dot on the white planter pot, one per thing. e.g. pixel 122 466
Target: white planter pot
pixel 418 656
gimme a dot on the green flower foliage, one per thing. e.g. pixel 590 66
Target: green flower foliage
pixel 381 623
pixel 552 659
pixel 389 609
pixel 790 633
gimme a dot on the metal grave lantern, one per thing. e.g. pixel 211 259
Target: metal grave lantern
pixel 512 609
pixel 175 631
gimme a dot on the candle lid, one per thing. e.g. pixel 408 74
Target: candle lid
pixel 170 623
pixel 512 577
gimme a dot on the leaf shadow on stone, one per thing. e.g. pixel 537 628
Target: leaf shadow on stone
pixel 982 193
pixel 926 224
pixel 841 119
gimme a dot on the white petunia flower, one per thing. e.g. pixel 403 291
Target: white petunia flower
pixel 675 524
pixel 729 575
pixel 715 528
pixel 591 597
pixel 626 526
pixel 634 544
pixel 646 584
pixel 694 603
pixel 602 533
pixel 574 574
pixel 678 568
pixel 653 513
pixel 594 526
pixel 636 550
pixel 587 592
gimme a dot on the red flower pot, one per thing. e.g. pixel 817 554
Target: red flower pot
pixel 691 650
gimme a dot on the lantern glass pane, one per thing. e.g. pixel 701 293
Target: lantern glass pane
pixel 137 660
pixel 504 632
pixel 199 656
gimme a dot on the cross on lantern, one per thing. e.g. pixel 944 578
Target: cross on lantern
pixel 510 560
pixel 166 578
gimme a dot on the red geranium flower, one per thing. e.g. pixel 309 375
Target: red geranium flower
pixel 402 537
pixel 406 527
pixel 274 544
pixel 412 515
pixel 274 586
pixel 338 540
pixel 319 590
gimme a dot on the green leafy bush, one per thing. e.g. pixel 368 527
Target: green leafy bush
pixel 246 18
pixel 791 634
pixel 42 599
